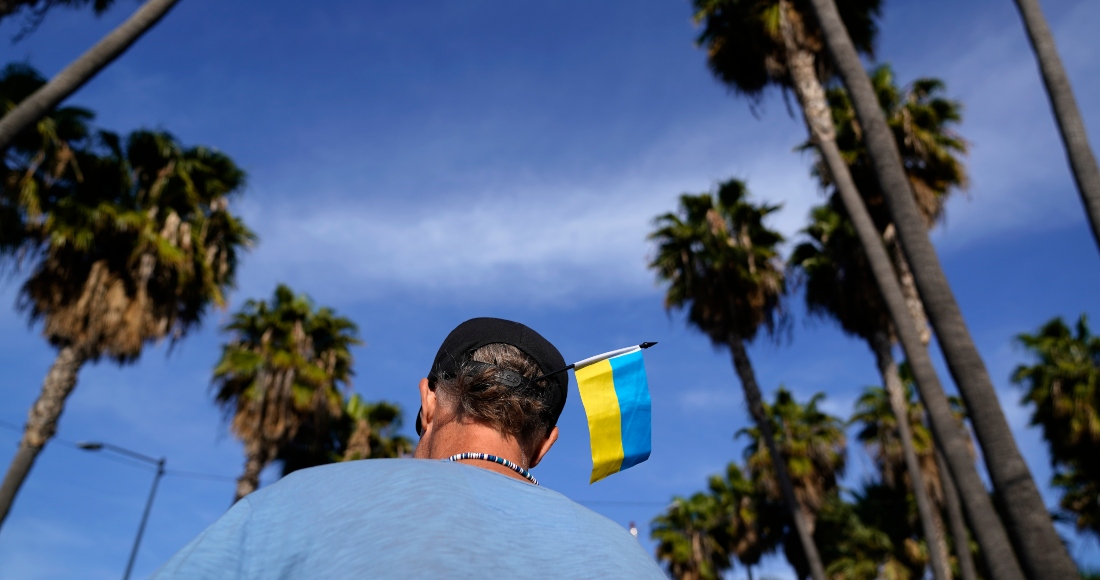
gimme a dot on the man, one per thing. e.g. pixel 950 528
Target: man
pixel 467 506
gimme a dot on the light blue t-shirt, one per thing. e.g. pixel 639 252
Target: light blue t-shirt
pixel 409 518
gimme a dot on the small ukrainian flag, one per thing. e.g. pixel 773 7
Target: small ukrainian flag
pixel 616 399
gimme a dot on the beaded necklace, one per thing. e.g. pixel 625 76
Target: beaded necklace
pixel 500 460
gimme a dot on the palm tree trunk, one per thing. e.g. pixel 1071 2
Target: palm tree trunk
pixel 958 525
pixel 1037 544
pixel 940 537
pixel 41 422
pixel 81 70
pixel 1072 128
pixel 743 366
pixel 989 530
pixel 254 462
pixel 882 346
pixel 908 286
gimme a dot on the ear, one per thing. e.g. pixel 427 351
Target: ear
pixel 427 415
pixel 544 448
pixel 428 405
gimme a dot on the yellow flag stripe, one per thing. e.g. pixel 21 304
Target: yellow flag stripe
pixel 597 387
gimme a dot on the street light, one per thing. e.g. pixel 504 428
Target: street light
pixel 97 446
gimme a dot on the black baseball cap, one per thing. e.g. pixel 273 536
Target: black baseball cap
pixel 478 332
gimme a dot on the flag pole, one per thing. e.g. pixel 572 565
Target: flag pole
pixel 593 359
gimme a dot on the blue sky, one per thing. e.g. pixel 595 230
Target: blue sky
pixel 416 164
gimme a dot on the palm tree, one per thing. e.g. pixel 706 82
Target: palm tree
pixel 689 538
pixel 1070 124
pixel 134 251
pixel 283 367
pixel 922 121
pixel 855 547
pixel 81 70
pixel 813 448
pixel 1063 388
pixel 1079 497
pixel 839 285
pixel 373 433
pixel 365 430
pixel 1038 546
pixel 721 263
pixel 749 527
pixel 756 43
pixel 879 434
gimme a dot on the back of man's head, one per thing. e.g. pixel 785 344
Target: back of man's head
pixel 485 373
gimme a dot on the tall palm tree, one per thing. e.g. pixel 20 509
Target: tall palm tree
pixel 753 44
pixel 1038 546
pixel 134 251
pixel 813 448
pixel 721 264
pixel 878 432
pixel 689 537
pixel 1063 389
pixel 839 285
pixel 283 366
pixel 1071 126
pixel 81 70
pixel 923 122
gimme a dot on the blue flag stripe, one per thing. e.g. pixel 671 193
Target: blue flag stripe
pixel 635 406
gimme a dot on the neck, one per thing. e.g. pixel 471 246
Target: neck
pixel 454 438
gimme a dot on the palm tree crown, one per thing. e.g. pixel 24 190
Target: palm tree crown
pixel 721 262
pixel 873 536
pixel 838 282
pixel 878 432
pixel 923 122
pixel 813 445
pixel 365 430
pixel 1064 387
pixel 283 367
pixel 373 430
pixel 138 249
pixel 690 538
pixel 743 38
pixel 750 526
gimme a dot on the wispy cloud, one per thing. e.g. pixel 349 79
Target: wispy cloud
pixel 529 233
pixel 547 239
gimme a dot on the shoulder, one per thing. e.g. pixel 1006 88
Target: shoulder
pixel 380 474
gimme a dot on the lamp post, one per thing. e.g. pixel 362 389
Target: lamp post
pixel 97 446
